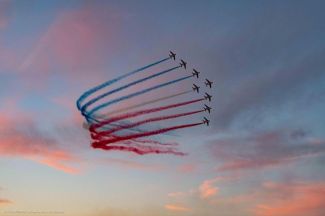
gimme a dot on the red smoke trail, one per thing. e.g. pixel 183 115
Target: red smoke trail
pixel 138 113
pixel 141 141
pixel 101 143
pixel 135 124
pixel 146 150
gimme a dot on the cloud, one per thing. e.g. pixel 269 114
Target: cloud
pixel 22 138
pixel 77 41
pixel 5 201
pixel 207 189
pixel 5 7
pixel 177 208
pixel 294 198
pixel 265 149
pixel 187 168
pixel 260 64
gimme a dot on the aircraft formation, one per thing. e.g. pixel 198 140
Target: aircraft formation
pixel 196 88
pixel 129 126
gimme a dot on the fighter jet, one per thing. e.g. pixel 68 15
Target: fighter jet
pixel 172 55
pixel 207 108
pixel 195 73
pixel 196 88
pixel 207 97
pixel 206 121
pixel 208 83
pixel 183 63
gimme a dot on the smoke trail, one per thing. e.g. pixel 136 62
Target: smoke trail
pixel 87 125
pixel 102 143
pixel 135 124
pixel 84 107
pixel 143 104
pixel 105 84
pixel 141 141
pixel 136 94
pixel 141 112
pixel 146 150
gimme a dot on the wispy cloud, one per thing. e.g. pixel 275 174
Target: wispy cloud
pixel 265 149
pixel 75 41
pixel 177 208
pixel 292 198
pixel 207 189
pixel 5 201
pixel 22 138
pixel 4 13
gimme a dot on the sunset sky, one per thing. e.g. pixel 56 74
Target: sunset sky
pixel 263 154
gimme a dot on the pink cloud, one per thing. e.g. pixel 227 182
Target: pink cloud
pixel 187 168
pixel 21 138
pixel 177 208
pixel 4 13
pixel 207 189
pixel 77 41
pixel 292 199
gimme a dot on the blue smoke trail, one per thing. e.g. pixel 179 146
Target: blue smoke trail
pixel 87 115
pixel 85 106
pixel 105 84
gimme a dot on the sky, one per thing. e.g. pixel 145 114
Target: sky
pixel 263 154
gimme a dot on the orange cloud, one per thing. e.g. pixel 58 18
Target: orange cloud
pixel 5 201
pixel 177 208
pixel 207 189
pixel 293 199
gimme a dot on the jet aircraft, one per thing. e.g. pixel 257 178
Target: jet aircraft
pixel 195 73
pixel 172 55
pixel 206 121
pixel 208 83
pixel 207 97
pixel 183 63
pixel 207 108
pixel 196 88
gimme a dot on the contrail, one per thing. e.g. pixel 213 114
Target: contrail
pixel 141 141
pixel 104 143
pixel 86 126
pixel 141 112
pixel 146 150
pixel 136 94
pixel 105 84
pixel 85 106
pixel 143 104
pixel 135 124
pixel 108 131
